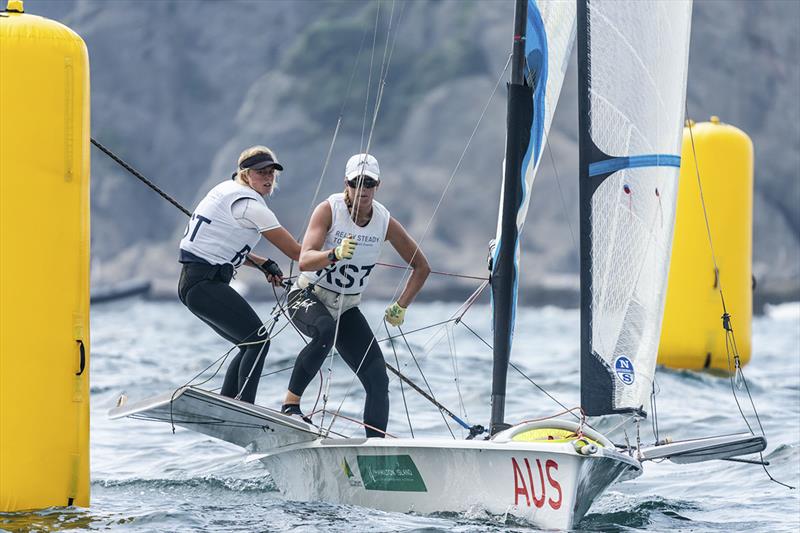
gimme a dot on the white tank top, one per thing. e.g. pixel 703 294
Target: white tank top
pixel 213 234
pixel 350 276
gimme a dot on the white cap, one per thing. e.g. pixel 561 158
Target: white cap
pixel 362 164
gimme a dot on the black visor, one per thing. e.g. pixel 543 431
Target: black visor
pixel 260 161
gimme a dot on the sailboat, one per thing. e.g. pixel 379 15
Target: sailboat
pixel 632 58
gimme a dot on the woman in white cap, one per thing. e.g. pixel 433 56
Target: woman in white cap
pixel 224 228
pixel 340 248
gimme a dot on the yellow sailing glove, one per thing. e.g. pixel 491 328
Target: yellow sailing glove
pixel 345 250
pixel 395 314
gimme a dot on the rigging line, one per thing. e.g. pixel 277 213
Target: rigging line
pixel 153 186
pixel 261 353
pixel 223 358
pixel 653 409
pixel 747 389
pixel 265 374
pixel 335 131
pixel 470 301
pixel 703 204
pixel 288 317
pixel 442 408
pixel 726 317
pixel 515 367
pixel 452 176
pixel 402 389
pixel 441 198
pixel 424 379
pixel 733 370
pixel 441 273
pixel 319 392
pixel 359 422
pixel 561 195
pixel 384 73
pixel 369 78
pixel 136 173
pixel 451 343
pixel 453 173
pixel 268 334
pixel 386 62
pixel 392 337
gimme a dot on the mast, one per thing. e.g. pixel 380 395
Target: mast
pixel 504 268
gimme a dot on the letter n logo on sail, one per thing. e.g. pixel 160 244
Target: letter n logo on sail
pixel 624 369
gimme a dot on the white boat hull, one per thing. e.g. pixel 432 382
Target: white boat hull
pixel 550 485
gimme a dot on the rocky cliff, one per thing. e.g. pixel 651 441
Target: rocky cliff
pixel 179 88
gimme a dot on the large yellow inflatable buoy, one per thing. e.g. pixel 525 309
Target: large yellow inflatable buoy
pixel 44 263
pixel 692 334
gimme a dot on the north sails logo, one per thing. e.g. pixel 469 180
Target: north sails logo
pixel 624 369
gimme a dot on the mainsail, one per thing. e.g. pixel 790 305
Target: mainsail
pixel 632 61
pixel 544 36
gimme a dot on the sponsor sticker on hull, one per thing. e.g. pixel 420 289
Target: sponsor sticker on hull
pixel 390 473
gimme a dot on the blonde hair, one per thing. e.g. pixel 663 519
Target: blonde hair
pixel 242 175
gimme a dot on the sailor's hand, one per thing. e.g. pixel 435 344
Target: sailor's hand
pixel 346 249
pixel 273 272
pixel 395 314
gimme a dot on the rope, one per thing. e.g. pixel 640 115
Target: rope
pixel 441 198
pixel 730 338
pixel 424 379
pixel 136 173
pixel 465 276
pixel 515 367
pixel 384 73
pixel 335 133
pixel 402 389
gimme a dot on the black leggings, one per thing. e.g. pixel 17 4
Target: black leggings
pixel 205 291
pixel 354 340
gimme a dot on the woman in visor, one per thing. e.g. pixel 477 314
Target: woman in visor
pixel 225 227
pixel 340 248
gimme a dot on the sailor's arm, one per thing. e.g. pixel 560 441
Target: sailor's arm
pixel 311 256
pixel 408 249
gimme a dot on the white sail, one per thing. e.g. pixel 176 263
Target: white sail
pixel 551 31
pixel 634 71
pixel 550 36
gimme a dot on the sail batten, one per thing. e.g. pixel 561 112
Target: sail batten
pixel 632 58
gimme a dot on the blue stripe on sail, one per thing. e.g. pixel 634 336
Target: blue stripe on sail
pixel 614 164
pixel 535 58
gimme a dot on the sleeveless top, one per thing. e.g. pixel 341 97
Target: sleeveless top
pixel 213 234
pixel 350 276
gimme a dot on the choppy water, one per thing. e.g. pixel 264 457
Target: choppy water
pixel 144 478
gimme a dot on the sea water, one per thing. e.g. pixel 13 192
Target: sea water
pixel 147 478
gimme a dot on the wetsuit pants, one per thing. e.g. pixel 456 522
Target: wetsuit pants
pixel 205 290
pixel 355 343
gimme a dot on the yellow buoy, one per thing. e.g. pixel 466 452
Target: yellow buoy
pixel 44 263
pixel 692 334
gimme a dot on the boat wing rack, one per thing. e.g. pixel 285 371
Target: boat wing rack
pixel 707 448
pixel 253 427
